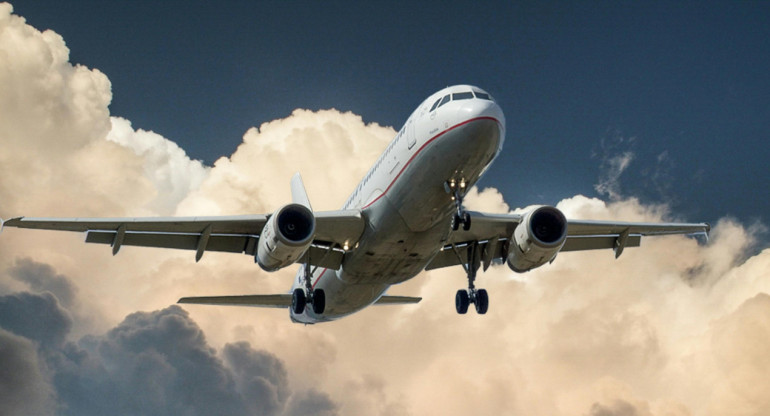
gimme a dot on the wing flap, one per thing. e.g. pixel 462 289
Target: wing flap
pixel 593 228
pixel 577 243
pixel 223 243
pixel 449 256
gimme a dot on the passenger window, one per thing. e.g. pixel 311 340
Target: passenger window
pixel 483 95
pixel 444 100
pixel 462 96
pixel 435 104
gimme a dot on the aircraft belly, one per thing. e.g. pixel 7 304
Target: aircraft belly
pixel 390 252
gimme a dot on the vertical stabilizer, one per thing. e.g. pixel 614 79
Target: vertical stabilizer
pixel 298 194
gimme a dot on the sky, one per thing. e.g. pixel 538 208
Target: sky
pixel 681 88
pixel 616 111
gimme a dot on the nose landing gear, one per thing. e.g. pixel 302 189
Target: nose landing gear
pixel 457 190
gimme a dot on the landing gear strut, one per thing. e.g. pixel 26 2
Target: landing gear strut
pixel 478 297
pixel 457 190
pixel 300 298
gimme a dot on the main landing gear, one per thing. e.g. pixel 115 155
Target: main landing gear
pixel 461 217
pixel 478 297
pixel 300 298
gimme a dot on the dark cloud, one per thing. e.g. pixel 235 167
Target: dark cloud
pixel 24 389
pixel 152 363
pixel 261 377
pixel 38 317
pixel 41 278
pixel 616 408
pixel 311 402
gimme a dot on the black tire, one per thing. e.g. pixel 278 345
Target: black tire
pixel 462 301
pixel 319 301
pixel 455 222
pixel 482 301
pixel 466 221
pixel 298 301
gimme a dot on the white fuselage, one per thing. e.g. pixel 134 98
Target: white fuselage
pixel 404 200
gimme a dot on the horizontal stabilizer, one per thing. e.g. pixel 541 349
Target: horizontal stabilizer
pixel 262 301
pixel 397 300
pixel 278 301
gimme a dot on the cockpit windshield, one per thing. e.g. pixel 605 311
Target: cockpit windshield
pixel 457 96
pixel 462 96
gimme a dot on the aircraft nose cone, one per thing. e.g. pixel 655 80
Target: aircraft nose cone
pixel 481 108
pixel 477 109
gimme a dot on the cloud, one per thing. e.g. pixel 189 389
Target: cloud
pixel 151 363
pixel 172 173
pixel 327 147
pixel 311 402
pixel 24 389
pixel 652 333
pixel 43 278
pixel 613 168
pixel 36 317
pixel 260 376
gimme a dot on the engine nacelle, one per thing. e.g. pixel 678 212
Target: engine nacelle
pixel 537 239
pixel 286 236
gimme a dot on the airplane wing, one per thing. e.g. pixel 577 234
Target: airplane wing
pixel 235 234
pixel 492 232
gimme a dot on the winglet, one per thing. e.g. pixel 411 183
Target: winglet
pixel 298 193
pixel 12 222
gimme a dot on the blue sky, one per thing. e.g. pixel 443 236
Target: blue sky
pixel 683 86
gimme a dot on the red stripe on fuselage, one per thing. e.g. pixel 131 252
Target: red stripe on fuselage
pixel 423 147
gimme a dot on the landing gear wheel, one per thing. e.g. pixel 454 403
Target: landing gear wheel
pixel 466 221
pixel 478 297
pixel 482 301
pixel 456 220
pixel 298 301
pixel 319 301
pixel 462 301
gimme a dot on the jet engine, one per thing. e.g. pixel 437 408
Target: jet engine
pixel 537 239
pixel 287 234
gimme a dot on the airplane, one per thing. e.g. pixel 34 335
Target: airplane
pixel 405 216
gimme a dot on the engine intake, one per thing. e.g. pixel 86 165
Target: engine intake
pixel 287 234
pixel 537 239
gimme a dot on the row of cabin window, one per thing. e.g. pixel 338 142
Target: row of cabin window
pixel 460 96
pixel 369 175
